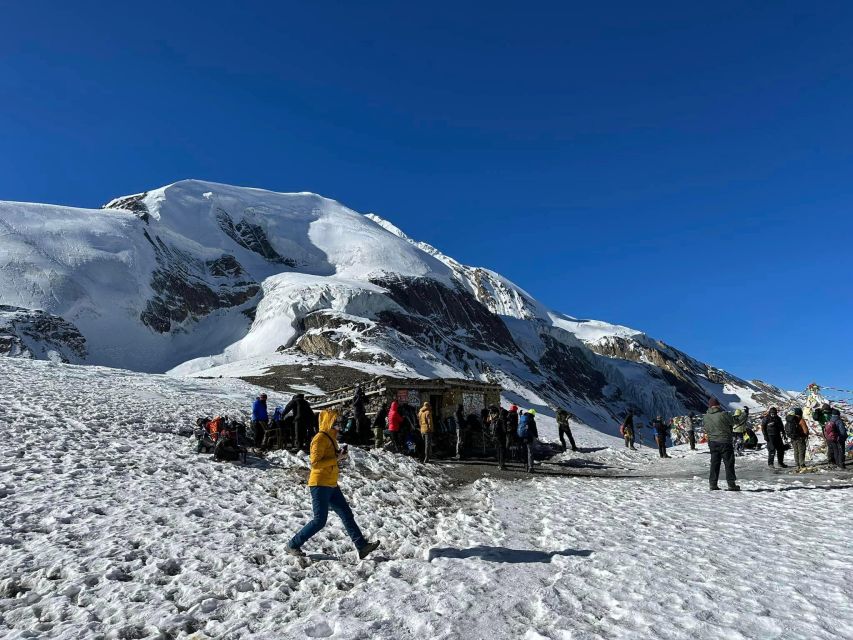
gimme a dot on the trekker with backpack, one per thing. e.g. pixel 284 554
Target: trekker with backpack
pixel 326 494
pixel 739 430
pixel 660 435
pixel 627 429
pixel 260 419
pixel 798 433
pixel 528 433
pixel 835 432
pixel 774 431
pixel 565 428
pixel 427 428
pixel 718 428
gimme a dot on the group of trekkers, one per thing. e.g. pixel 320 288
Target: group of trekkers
pixel 727 434
pixel 511 432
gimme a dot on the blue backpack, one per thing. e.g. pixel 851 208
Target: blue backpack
pixel 522 426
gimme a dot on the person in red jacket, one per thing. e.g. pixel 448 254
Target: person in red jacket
pixel 395 426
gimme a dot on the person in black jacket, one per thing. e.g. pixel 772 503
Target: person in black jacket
pixel 774 431
pixel 460 431
pixel 304 420
pixel 497 421
pixel 379 426
pixel 564 428
pixel 660 435
pixel 359 399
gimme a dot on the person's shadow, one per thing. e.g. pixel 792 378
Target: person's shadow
pixel 503 554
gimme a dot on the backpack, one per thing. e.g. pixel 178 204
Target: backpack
pixel 523 426
pixel 830 433
pixel 792 427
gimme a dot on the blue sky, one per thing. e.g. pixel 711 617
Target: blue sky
pixel 684 170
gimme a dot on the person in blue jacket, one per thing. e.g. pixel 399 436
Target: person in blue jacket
pixel 260 419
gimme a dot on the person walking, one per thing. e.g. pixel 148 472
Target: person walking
pixel 660 435
pixel 627 429
pixel 460 431
pixel 835 432
pixel 798 434
pixel 326 494
pixel 427 428
pixel 774 431
pixel 498 422
pixel 528 433
pixel 739 430
pixel 564 428
pixel 718 429
pixel 260 419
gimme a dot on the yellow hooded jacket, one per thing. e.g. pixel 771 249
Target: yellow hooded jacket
pixel 425 418
pixel 324 453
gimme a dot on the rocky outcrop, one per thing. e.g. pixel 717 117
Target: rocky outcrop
pixel 433 311
pixel 250 236
pixel 186 288
pixel 31 333
pixel 134 203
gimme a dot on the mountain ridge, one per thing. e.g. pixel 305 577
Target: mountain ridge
pixel 198 274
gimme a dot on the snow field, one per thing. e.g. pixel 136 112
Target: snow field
pixel 113 527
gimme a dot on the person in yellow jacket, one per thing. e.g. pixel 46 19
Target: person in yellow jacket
pixel 426 423
pixel 325 492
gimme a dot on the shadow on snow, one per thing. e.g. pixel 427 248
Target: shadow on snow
pixel 503 554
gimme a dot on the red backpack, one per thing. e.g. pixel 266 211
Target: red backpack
pixel 830 432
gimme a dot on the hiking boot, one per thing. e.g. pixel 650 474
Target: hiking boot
pixel 295 551
pixel 714 487
pixel 783 465
pixel 733 487
pixel 366 550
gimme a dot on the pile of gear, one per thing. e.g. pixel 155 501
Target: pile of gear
pixel 224 437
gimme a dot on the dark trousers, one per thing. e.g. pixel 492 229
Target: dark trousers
pixel 397 441
pixel 722 452
pixel 323 499
pixel 775 447
pixel 691 437
pixel 500 451
pixel 661 446
pixel 528 444
pixel 427 446
pixel 567 431
pixel 836 449
pixel 259 428
pixel 799 446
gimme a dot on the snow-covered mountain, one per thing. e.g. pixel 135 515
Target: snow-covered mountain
pixel 197 275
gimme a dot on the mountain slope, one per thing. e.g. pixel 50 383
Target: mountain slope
pixel 195 275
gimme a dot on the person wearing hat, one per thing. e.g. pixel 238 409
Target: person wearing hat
pixel 739 430
pixel 774 436
pixel 718 428
pixel 260 419
pixel 326 494
pixel 528 434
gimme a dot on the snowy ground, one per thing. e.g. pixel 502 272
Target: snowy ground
pixel 110 526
